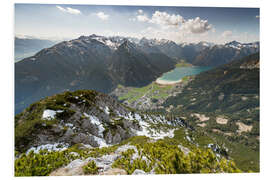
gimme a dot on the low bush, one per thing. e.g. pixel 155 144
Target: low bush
pixel 90 168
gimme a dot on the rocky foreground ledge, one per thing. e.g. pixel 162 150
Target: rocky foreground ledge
pixel 89 133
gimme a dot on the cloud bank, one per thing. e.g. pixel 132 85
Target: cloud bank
pixel 196 26
pixel 166 20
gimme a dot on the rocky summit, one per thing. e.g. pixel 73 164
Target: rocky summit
pixel 87 117
pixel 86 132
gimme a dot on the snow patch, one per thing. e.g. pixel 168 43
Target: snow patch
pixel 49 147
pixel 96 121
pixel 69 125
pixel 101 142
pixel 50 114
pixel 154 134
pixel 107 110
pixel 138 117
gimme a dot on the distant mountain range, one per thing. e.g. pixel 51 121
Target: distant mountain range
pixel 101 63
pixel 221 54
pixel 25 47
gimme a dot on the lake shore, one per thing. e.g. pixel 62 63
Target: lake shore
pixel 164 82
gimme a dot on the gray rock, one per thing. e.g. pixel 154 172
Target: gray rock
pixel 68 135
pixel 221 96
pixel 74 154
pixel 116 138
pixel 56 129
pixel 89 127
pixel 42 139
pixel 139 172
pixel 121 132
pixel 114 171
pixel 85 139
pixel 108 137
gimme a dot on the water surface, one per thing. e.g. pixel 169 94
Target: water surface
pixel 180 72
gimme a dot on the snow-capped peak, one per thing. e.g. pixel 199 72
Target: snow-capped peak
pixel 238 45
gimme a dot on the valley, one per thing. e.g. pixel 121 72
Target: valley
pixel 135 90
pixel 126 106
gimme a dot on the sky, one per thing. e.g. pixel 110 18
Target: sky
pixel 180 24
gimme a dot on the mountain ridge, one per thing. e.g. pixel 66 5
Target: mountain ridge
pixel 93 62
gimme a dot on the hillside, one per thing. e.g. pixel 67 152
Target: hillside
pixel 220 88
pixel 25 47
pixel 89 62
pixel 222 54
pixel 131 67
pixel 86 132
pixel 224 102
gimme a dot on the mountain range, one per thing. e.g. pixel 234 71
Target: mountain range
pixel 89 62
pixel 223 54
pixel 25 47
pixel 101 63
pixel 67 124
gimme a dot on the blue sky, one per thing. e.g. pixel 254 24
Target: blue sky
pixel 180 24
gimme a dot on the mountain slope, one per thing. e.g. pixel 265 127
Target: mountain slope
pixel 132 67
pixel 84 116
pixel 217 86
pixel 25 47
pixel 89 62
pixel 224 102
pixel 62 134
pixel 223 54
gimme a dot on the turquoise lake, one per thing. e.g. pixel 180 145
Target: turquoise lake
pixel 180 72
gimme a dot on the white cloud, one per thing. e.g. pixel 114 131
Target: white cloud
pixel 140 11
pixel 177 22
pixel 102 16
pixel 163 18
pixel 196 26
pixel 226 34
pixel 142 18
pixel 69 10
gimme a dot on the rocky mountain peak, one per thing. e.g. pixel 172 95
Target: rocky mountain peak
pixel 86 117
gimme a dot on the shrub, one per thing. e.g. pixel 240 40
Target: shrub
pixel 42 163
pixel 90 168
pixel 166 158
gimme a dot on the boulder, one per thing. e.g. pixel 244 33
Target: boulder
pixel 114 171
pixel 139 172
